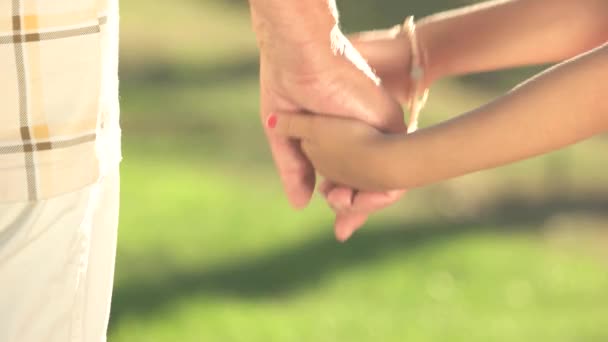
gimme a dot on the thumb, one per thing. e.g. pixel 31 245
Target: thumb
pixel 364 98
pixel 292 125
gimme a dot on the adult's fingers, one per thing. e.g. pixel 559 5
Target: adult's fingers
pixel 363 98
pixel 373 105
pixel 295 170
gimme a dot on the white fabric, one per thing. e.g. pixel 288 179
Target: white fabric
pixel 57 264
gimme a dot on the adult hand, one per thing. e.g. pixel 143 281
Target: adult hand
pixel 301 72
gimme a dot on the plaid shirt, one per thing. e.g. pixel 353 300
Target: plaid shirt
pixel 59 111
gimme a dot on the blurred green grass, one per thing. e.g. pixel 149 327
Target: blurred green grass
pixel 210 251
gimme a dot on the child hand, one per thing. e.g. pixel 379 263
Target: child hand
pixel 388 53
pixel 345 151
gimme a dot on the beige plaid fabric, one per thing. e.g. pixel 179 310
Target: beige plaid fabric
pixel 58 95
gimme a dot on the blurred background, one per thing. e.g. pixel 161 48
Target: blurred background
pixel 209 249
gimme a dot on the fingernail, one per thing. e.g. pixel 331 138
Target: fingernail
pixel 271 122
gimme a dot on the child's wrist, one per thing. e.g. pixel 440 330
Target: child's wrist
pixel 432 62
pixel 388 162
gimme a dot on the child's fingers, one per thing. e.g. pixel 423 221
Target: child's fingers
pixel 292 125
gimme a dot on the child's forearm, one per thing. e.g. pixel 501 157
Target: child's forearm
pixel 502 34
pixel 560 107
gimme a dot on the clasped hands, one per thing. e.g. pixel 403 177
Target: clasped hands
pixel 348 93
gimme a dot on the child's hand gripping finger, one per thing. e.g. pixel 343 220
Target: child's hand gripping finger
pixel 345 151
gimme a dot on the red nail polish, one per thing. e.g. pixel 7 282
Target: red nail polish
pixel 271 122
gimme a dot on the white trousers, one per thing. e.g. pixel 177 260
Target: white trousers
pixel 57 265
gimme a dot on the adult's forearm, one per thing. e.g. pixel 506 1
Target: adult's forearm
pixel 560 107
pixel 508 33
pixel 293 21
